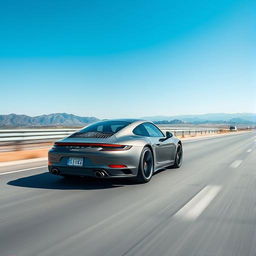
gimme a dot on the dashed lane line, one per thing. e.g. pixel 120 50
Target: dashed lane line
pixel 194 208
pixel 236 163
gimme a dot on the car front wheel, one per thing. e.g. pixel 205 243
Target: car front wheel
pixel 178 157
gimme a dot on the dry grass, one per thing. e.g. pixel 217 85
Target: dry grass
pixel 23 154
pixel 221 132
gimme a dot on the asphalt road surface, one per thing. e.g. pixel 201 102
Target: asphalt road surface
pixel 207 207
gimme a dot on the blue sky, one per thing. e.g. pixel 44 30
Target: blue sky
pixel 127 58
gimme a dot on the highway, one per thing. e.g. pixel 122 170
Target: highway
pixel 205 208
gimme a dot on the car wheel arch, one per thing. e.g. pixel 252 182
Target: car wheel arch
pixel 179 143
pixel 153 153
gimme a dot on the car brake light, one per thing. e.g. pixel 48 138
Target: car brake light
pixel 117 166
pixel 103 146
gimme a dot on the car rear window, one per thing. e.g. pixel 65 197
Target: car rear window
pixel 103 129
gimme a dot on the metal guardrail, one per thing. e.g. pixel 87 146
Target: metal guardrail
pixel 47 135
pixel 191 132
pixel 33 135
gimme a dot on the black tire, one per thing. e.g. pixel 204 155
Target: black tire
pixel 178 157
pixel 146 166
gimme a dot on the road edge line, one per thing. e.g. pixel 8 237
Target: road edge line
pixel 22 170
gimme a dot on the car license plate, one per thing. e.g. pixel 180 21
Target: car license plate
pixel 75 161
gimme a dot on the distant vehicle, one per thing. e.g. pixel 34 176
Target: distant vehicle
pixel 121 148
pixel 233 128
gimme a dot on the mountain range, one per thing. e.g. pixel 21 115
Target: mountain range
pixel 239 118
pixel 57 119
pixel 70 120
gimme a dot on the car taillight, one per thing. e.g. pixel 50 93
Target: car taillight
pixel 120 148
pixel 117 166
pixel 103 146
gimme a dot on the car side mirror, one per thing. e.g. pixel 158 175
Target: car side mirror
pixel 168 135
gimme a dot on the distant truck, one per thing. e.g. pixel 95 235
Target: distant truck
pixel 233 128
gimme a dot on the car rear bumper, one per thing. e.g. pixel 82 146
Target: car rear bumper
pixel 95 162
pixel 92 172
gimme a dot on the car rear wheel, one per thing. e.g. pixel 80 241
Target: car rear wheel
pixel 146 166
pixel 178 157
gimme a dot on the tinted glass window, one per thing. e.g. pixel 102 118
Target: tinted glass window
pixel 101 129
pixel 152 130
pixel 141 130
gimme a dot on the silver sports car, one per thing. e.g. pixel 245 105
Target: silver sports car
pixel 123 148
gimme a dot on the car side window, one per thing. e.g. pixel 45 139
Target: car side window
pixel 141 131
pixel 152 130
pixel 99 128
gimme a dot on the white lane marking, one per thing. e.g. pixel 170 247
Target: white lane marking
pixel 193 209
pixel 236 163
pixel 23 170
pixel 249 150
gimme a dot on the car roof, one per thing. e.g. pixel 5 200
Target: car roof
pixel 129 120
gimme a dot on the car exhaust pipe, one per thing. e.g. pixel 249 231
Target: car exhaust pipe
pixel 55 171
pixel 100 174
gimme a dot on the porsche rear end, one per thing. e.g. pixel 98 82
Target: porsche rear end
pixel 100 160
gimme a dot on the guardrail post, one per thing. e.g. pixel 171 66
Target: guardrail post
pixel 17 145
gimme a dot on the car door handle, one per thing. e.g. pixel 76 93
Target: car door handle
pixel 158 144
